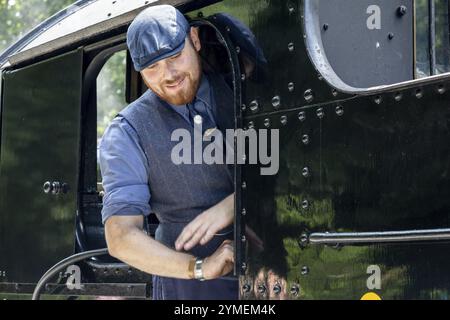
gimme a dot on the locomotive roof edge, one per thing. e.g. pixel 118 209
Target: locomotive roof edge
pixel 97 28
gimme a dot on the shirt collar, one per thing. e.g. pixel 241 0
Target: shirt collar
pixel 203 93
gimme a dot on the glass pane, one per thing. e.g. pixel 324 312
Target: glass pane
pixel 442 37
pixel 422 39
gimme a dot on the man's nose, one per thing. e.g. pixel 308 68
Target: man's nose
pixel 170 72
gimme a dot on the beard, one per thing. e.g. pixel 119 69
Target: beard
pixel 188 90
pixel 184 95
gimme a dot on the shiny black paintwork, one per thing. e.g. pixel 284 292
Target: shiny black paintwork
pixel 377 162
pixel 40 141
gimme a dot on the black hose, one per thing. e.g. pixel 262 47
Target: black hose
pixel 63 264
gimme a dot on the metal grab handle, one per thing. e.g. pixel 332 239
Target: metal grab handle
pixel 379 237
pixel 62 265
pixel 55 187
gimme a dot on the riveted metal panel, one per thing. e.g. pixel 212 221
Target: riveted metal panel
pixel 373 164
pixel 368 42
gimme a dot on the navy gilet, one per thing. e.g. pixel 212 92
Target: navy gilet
pixel 181 192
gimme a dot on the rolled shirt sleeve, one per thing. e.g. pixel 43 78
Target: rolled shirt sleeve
pixel 124 169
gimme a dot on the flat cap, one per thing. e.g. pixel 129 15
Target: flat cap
pixel 156 33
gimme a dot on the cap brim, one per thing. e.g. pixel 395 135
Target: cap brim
pixel 162 56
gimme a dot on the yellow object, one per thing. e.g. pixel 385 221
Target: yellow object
pixel 192 267
pixel 370 296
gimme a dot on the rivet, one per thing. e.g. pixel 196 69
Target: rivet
pixel 276 101
pixel 305 204
pixel 305 172
pixel 243 239
pixel 305 270
pixel 295 289
pixel 340 111
pixel 291 86
pixel 320 77
pixel 302 116
pixel 250 125
pixel 305 139
pixel 243 77
pixel 390 36
pixel 320 113
pixel 238 49
pixel 378 99
pixel 441 89
pixel 267 122
pixel 277 289
pixel 303 240
pixel 334 92
pixel 244 266
pixel 244 212
pixel 401 11
pixel 244 158
pixel 291 46
pixel 325 26
pixel 261 289
pixel 419 93
pixel 109 14
pixel 291 9
pixel 398 96
pixel 200 14
pixel 308 95
pixel 244 185
pixel 246 288
pixel 254 106
pixel 243 107
pixel 227 29
pixel 283 120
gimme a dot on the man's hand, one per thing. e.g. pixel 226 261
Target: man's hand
pixel 203 228
pixel 220 262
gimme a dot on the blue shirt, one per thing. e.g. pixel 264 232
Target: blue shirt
pixel 124 166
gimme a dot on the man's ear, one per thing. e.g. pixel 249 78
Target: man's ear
pixel 195 38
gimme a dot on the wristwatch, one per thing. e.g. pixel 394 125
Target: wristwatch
pixel 198 271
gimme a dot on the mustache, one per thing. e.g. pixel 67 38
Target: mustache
pixel 173 81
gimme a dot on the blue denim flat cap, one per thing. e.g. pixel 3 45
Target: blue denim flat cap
pixel 156 33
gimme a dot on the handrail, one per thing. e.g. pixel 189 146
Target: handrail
pixel 343 238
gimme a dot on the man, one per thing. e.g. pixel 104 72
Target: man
pixel 193 202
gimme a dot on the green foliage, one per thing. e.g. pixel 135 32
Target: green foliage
pixel 110 91
pixel 19 16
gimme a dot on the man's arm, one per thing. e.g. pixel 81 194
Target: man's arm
pixel 124 175
pixel 127 242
